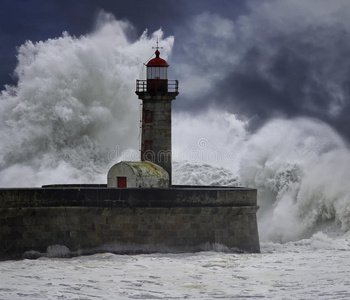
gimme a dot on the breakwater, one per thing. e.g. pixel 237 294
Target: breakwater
pixel 83 217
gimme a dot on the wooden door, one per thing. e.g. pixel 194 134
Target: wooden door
pixel 121 182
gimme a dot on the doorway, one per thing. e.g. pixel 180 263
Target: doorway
pixel 121 182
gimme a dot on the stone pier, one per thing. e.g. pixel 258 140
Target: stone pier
pixel 91 216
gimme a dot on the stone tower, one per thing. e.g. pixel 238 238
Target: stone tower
pixel 156 93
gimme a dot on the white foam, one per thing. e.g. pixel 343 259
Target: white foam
pixel 308 269
pixel 72 105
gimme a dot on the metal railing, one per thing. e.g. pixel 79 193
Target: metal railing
pixel 173 86
pixel 157 85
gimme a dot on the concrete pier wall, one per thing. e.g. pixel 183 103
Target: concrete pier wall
pixel 90 217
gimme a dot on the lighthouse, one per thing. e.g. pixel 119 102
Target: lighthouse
pixel 157 93
pixel 154 169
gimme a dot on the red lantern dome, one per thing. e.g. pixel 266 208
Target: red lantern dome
pixel 157 61
pixel 157 68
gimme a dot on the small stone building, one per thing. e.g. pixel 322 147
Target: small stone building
pixel 137 174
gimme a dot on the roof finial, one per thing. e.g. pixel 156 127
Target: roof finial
pixel 157 47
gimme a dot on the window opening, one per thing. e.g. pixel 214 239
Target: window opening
pixel 148 145
pixel 148 116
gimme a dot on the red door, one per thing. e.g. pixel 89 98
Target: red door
pixel 121 182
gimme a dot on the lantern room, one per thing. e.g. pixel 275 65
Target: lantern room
pixel 157 74
pixel 157 82
pixel 157 68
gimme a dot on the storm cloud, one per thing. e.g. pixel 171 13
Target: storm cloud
pixel 281 59
pixel 257 59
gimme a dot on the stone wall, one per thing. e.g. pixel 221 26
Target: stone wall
pixel 86 218
pixel 158 132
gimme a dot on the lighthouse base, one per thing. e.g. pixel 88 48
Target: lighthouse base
pixel 94 218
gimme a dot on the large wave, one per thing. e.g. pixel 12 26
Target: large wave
pixel 73 106
pixel 299 167
pixel 74 113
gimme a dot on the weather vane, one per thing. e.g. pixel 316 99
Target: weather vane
pixel 157 47
pixel 157 52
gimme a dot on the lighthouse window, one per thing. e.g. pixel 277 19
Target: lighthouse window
pixel 157 73
pixel 148 146
pixel 148 116
pixel 163 73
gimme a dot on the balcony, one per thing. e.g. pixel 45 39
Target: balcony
pixel 154 86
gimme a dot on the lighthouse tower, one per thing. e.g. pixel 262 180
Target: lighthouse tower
pixel 156 93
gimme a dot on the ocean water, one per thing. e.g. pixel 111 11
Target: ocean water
pixel 315 268
pixel 75 93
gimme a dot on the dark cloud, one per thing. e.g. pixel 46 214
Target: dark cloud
pixel 303 77
pixel 281 59
pixel 23 20
pixel 256 58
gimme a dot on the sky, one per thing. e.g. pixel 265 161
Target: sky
pixel 259 59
